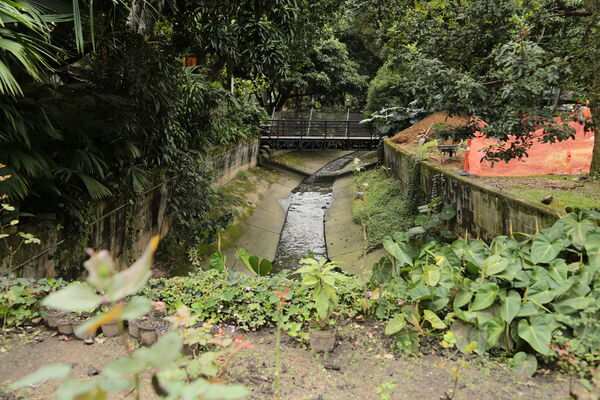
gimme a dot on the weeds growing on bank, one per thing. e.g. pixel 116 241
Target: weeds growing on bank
pixel 381 205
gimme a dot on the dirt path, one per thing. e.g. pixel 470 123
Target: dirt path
pixel 361 367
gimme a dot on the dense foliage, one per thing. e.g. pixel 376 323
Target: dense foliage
pixel 249 302
pixel 506 63
pixel 105 110
pixel 538 295
pixel 20 299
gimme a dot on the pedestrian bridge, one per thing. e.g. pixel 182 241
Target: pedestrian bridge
pixel 299 134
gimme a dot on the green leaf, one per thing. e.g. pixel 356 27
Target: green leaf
pixel 124 367
pixel 163 352
pixel 494 265
pixel 78 390
pixel 265 267
pixel 545 247
pixel 465 334
pixel 395 324
pixel 541 292
pixel 493 329
pixel 510 306
pixel 434 320
pixel 204 365
pixel 537 333
pixel 431 274
pixel 476 252
pixel 78 297
pixel 572 304
pixel 217 261
pixel 322 304
pixel 485 297
pixel 398 250
pixel 524 364
pixel 131 280
pixel 382 270
pixel 136 307
pixel 577 226
pixel 48 372
pixel 463 296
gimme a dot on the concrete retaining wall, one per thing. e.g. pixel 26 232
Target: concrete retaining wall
pixel 482 211
pixel 228 162
pixel 123 228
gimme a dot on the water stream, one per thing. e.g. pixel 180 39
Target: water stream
pixel 304 227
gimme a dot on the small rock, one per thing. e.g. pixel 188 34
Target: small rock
pixel 547 200
pixel 92 371
pixel 88 341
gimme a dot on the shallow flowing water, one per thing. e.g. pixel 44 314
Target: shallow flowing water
pixel 304 228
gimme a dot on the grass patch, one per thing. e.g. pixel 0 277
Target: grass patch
pixel 383 209
pixel 562 198
pixel 289 158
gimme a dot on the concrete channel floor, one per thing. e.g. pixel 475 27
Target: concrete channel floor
pixel 262 228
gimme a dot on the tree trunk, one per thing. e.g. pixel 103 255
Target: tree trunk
pixel 593 6
pixel 595 166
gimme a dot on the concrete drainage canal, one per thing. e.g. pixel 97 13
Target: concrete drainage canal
pixel 304 231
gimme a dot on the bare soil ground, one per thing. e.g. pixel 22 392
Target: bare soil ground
pixel 424 129
pixel 361 367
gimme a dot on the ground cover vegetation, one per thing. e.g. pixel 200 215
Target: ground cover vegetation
pixel 381 206
pixel 529 298
pixel 505 63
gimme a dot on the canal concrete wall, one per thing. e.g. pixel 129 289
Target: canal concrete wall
pixel 123 228
pixel 228 161
pixel 480 210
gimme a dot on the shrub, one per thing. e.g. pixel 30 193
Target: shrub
pixel 539 295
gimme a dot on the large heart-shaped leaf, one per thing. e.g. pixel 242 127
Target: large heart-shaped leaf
pixel 510 306
pixel 485 297
pixel 463 296
pixel 395 324
pixel 398 250
pixel 546 246
pixel 382 270
pixel 476 252
pixel 577 227
pixel 537 333
pixel 524 364
pixel 466 334
pixel 431 274
pixel 494 265
pixel 541 292
pixel 493 329
pixel 78 297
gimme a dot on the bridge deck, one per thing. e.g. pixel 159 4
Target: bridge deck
pixel 318 135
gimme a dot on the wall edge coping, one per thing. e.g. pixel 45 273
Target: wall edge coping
pixel 509 197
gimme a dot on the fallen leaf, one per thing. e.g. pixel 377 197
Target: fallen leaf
pixel 2 350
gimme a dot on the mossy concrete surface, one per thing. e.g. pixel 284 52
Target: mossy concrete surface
pixel 481 211
pixel 308 162
pixel 345 239
pixel 259 224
